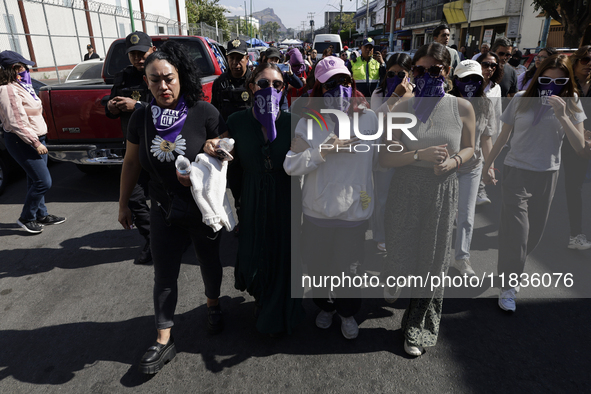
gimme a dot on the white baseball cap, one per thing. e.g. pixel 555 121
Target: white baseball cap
pixel 468 67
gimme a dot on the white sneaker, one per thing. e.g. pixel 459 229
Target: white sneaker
pixel 579 242
pixel 382 246
pixel 324 319
pixel 464 267
pixel 412 350
pixel 482 198
pixel 507 300
pixel 391 294
pixel 349 327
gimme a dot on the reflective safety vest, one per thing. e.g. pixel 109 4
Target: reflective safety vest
pixel 360 69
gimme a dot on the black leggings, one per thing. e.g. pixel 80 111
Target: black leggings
pixel 168 244
pixel 575 169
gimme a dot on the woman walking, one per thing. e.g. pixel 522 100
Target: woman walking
pixel 21 114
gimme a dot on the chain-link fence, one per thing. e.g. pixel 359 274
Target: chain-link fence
pixel 221 36
pixel 54 33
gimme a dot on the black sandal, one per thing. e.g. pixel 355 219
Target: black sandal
pixel 156 356
pixel 215 319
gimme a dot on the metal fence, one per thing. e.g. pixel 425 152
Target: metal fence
pixel 59 30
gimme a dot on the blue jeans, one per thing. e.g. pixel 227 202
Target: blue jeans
pixel 468 190
pixel 38 176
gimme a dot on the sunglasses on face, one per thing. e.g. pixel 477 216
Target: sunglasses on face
pixel 392 74
pixel 557 81
pixel 504 54
pixel 470 78
pixel 584 61
pixel 264 83
pixel 334 82
pixel 489 65
pixel 433 71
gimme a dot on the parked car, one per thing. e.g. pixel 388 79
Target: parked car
pixel 78 129
pixel 86 71
pixel 9 168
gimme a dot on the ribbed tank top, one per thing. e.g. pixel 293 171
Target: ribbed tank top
pixel 443 127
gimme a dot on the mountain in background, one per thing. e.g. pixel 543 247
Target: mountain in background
pixel 268 15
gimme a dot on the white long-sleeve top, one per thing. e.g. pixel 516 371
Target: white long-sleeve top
pixel 339 186
pixel 22 114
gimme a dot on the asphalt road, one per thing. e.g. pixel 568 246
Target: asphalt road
pixel 76 316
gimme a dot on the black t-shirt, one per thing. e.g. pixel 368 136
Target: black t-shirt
pixel 509 81
pixel 203 122
pixel 93 56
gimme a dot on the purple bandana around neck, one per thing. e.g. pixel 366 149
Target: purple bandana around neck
pixel 169 122
pixel 295 57
pixel 392 84
pixel 467 89
pixel 26 83
pixel 428 91
pixel 546 91
pixel 266 109
pixel 338 98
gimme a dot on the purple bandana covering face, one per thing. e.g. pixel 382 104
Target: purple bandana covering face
pixel 295 57
pixel 338 98
pixel 468 89
pixel 427 90
pixel 169 122
pixel 546 91
pixel 391 84
pixel 26 83
pixel 266 109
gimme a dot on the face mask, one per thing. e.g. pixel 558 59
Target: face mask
pixel 169 122
pixel 266 109
pixel 546 91
pixel 427 92
pixel 391 84
pixel 514 62
pixel 338 98
pixel 25 82
pixel 468 89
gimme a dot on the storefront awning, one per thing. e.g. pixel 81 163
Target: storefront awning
pixel 454 12
pixel 403 33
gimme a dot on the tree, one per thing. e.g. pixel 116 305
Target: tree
pixel 243 28
pixel 208 11
pixel 270 30
pixel 348 23
pixel 574 15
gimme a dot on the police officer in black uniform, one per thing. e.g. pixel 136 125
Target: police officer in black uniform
pixel 229 95
pixel 130 92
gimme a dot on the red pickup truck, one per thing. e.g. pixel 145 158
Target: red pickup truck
pixel 78 129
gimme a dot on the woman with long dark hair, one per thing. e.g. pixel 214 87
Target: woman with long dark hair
pixel 262 137
pixel 337 195
pixel 423 198
pixel 176 123
pixel 21 114
pixel 539 117
pixel 524 79
pixel 468 83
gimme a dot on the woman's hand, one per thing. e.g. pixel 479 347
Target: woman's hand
pixel 434 154
pixel 403 88
pixel 447 165
pixel 558 104
pixel 41 149
pixel 210 146
pixel 489 177
pixel 125 218
pixel 335 145
pixel 185 180
pixel 298 145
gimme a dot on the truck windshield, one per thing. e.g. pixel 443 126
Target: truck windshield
pixel 118 59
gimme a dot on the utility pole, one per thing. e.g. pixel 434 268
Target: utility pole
pixel 341 18
pixel 392 19
pixel 251 25
pixel 303 30
pixel 131 16
pixel 311 17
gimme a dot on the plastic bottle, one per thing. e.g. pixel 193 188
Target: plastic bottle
pixel 183 165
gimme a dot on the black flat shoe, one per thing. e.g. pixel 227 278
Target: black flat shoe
pixel 156 356
pixel 145 255
pixel 215 319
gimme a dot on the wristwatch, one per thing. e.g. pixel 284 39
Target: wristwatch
pixel 416 156
pixel 138 105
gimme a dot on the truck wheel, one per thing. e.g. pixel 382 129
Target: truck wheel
pixel 3 174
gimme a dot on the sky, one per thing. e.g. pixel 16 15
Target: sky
pixel 292 13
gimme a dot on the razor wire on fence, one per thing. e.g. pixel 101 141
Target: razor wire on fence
pixel 59 30
pixel 219 35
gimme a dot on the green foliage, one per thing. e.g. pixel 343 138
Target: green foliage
pixel 207 11
pixel 574 15
pixel 348 23
pixel 270 30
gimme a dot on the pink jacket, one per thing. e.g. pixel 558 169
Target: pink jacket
pixel 22 114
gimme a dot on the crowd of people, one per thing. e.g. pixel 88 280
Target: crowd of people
pixel 410 198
